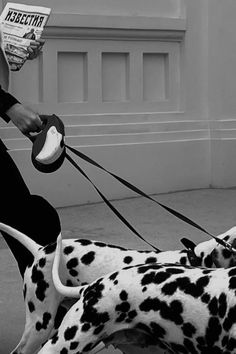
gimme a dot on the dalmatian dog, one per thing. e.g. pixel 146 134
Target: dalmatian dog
pixel 179 308
pixel 83 261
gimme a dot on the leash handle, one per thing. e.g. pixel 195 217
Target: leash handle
pixel 143 194
pixel 115 211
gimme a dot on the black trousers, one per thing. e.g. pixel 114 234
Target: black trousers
pixel 30 214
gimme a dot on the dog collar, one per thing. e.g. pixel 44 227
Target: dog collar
pixel 48 151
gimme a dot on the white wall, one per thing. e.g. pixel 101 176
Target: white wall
pixel 165 8
pixel 145 88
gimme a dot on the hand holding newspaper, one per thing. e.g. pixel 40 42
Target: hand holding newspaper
pixel 20 25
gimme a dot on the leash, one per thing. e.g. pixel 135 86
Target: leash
pixel 143 194
pixel 49 152
pixel 115 211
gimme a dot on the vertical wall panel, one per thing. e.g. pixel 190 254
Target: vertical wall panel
pixel 72 77
pixel 154 76
pixel 115 77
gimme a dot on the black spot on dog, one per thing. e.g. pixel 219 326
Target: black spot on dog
pixel 184 284
pixel 213 306
pixel 43 325
pixel 183 260
pixel 188 329
pixel 230 319
pixel 42 262
pixel 31 306
pixel 121 317
pixel 169 288
pixel 151 260
pixel 50 248
pixel 143 327
pixel 123 307
pixel 232 272
pixel 61 311
pixel 188 344
pixel 231 345
pixel 178 348
pixel 100 244
pixel 37 278
pixel 113 276
pixel 98 329
pixel 213 331
pixel 155 278
pixel 72 263
pixel 86 327
pixel 123 295
pixel 157 330
pixel 88 258
pixel 226 238
pixel 226 253
pixel 87 348
pixel 132 314
pixel 208 262
pixel 64 351
pixel 68 250
pixel 127 260
pixel 73 272
pixel 224 341
pixel 232 283
pixel 172 312
pixel 69 282
pixel 70 333
pixel 84 242
pixel 222 305
pixel 207 271
pixel 73 345
pixel 150 304
pixel 55 338
pixel 145 268
pixel 205 298
pixel 174 270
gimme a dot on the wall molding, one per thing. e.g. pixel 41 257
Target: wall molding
pixel 98 130
pixel 62 25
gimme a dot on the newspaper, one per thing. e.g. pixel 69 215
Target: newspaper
pixel 20 24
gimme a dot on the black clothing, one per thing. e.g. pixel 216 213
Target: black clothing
pixel 6 102
pixel 30 214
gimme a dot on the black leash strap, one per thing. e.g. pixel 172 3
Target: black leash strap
pixel 115 211
pixel 143 194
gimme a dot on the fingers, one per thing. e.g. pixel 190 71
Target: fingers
pixel 26 120
pixel 32 124
pixel 35 48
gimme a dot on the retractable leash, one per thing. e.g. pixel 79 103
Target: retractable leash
pixel 49 152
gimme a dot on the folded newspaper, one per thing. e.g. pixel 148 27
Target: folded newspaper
pixel 20 24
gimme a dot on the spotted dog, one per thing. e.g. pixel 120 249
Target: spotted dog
pixel 179 308
pixel 82 262
pixel 221 256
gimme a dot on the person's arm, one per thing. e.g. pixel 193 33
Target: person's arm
pixel 6 102
pixel 22 117
pixel 25 119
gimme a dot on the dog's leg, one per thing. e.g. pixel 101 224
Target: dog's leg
pixel 41 304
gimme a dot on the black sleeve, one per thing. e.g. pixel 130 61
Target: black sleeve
pixel 6 102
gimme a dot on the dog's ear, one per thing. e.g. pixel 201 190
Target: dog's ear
pixel 190 245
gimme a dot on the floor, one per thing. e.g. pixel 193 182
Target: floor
pixel 213 209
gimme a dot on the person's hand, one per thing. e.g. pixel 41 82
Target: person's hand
pixel 35 48
pixel 24 119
